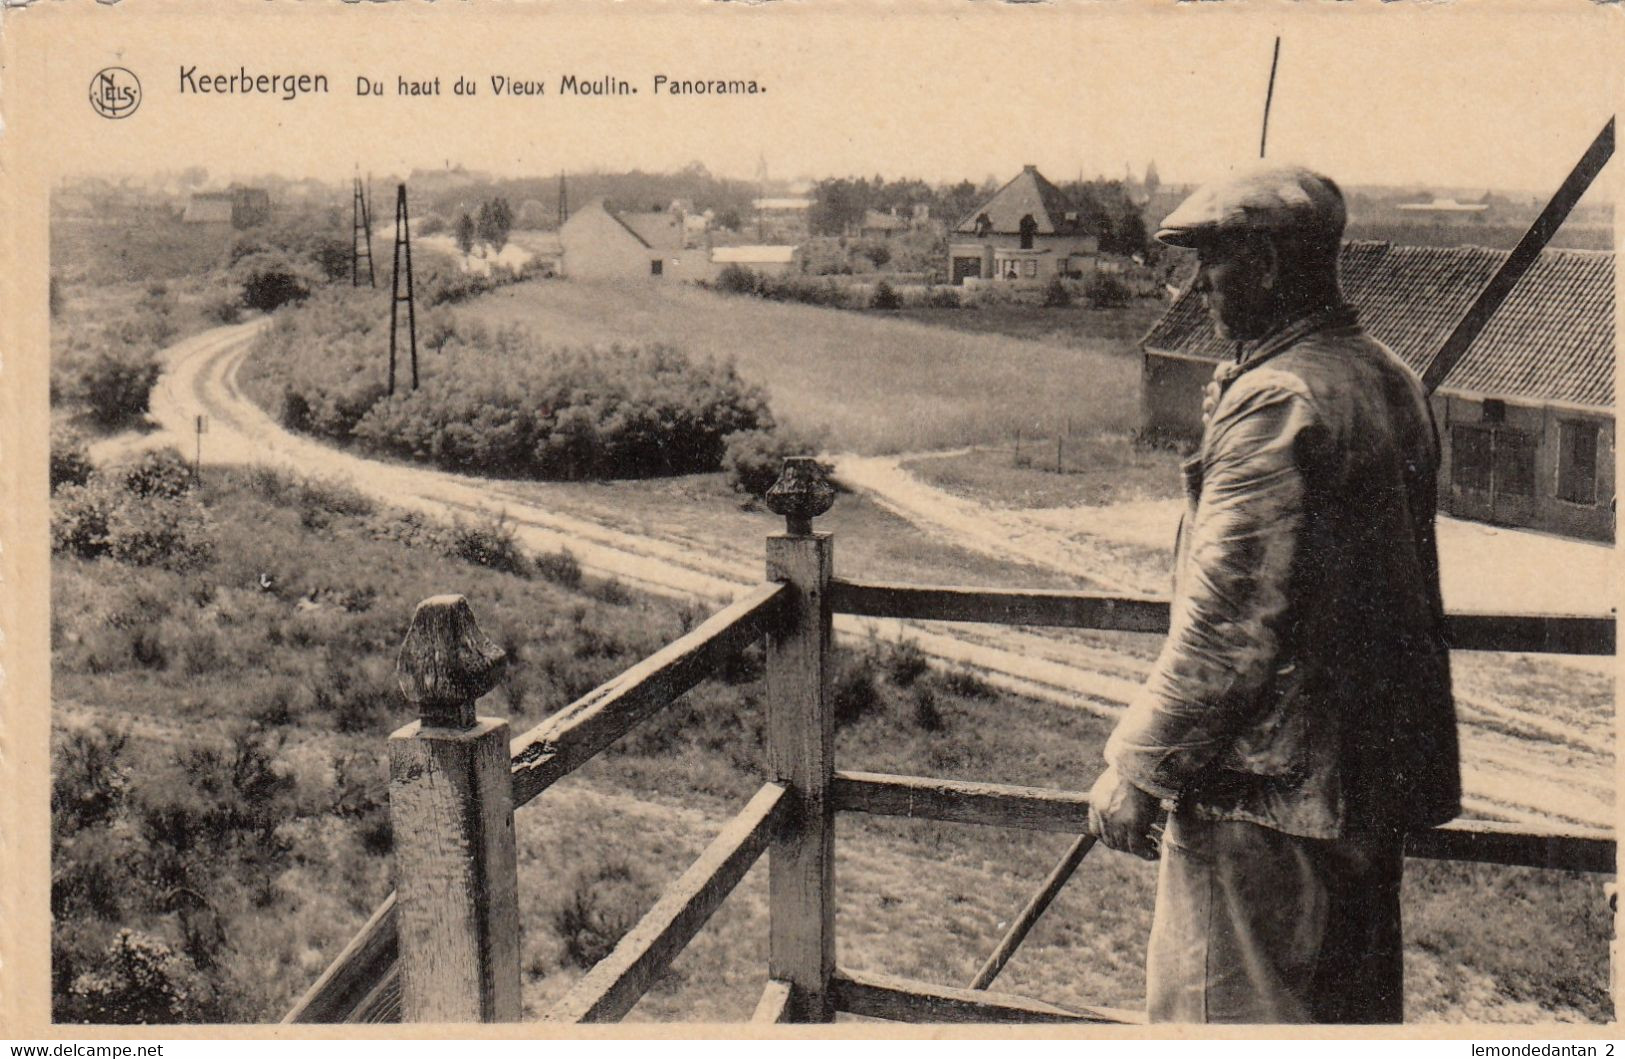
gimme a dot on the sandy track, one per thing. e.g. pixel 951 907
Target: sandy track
pixel 1541 768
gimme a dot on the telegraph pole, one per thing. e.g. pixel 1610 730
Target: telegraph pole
pixel 564 202
pixel 361 237
pixel 403 247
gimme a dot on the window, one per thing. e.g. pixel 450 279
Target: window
pixel 1031 268
pixel 1028 228
pixel 656 267
pixel 1470 449
pixel 1577 462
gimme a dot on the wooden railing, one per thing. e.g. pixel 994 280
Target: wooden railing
pixel 444 947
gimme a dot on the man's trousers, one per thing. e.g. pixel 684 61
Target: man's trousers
pixel 1254 925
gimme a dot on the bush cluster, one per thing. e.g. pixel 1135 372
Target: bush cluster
pixel 495 402
pixel 140 513
pixel 737 279
pixel 1105 291
pixel 752 459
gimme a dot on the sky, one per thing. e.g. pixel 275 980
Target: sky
pixel 1492 95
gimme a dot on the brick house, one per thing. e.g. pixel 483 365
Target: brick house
pixel 1526 419
pixel 1028 232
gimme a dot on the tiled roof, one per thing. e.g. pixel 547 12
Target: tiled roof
pixel 1551 340
pixel 1027 193
pixel 657 230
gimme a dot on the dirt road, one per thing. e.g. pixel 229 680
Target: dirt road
pixel 1522 763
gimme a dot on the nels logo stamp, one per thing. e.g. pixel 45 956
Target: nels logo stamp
pixel 115 92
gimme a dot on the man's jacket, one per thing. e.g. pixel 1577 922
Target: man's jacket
pixel 1305 683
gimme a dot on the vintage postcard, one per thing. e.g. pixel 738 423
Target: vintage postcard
pixel 894 517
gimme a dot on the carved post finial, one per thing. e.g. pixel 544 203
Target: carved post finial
pixel 801 494
pixel 446 662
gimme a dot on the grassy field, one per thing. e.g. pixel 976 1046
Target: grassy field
pixel 286 637
pixel 1074 326
pixel 1047 471
pixel 865 383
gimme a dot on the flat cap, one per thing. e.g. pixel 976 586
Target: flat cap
pixel 1277 199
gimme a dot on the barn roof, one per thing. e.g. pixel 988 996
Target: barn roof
pixel 1551 340
pixel 209 207
pixel 1026 193
pixel 754 255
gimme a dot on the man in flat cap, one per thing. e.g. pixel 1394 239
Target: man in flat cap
pixel 1299 718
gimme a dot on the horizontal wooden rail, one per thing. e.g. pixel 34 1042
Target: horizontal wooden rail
pixel 962 802
pixel 1519 845
pixel 1534 633
pixel 553 749
pixel 571 737
pixel 884 996
pixel 1078 610
pixel 774 1006
pixel 1047 809
pixel 620 979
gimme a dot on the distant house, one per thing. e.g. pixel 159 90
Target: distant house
pixel 785 220
pixel 1028 232
pixel 239 207
pixel 1526 419
pixel 598 243
pixel 880 224
pixel 768 260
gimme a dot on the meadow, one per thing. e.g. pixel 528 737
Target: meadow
pixel 862 382
pixel 220 725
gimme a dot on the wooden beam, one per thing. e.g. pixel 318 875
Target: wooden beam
pixel 774 1007
pixel 1078 610
pixel 1495 842
pixel 354 974
pixel 615 985
pixel 571 737
pixel 383 1004
pixel 801 755
pixel 451 803
pixel 1562 634
pixel 963 801
pixel 1525 254
pixel 884 996
pixel 1536 633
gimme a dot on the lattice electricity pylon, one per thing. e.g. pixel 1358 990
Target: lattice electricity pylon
pixel 361 237
pixel 403 245
pixel 564 201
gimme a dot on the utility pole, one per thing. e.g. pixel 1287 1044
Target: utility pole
pixel 403 246
pixel 361 236
pixel 564 202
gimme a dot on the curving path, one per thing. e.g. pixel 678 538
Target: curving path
pixel 1522 764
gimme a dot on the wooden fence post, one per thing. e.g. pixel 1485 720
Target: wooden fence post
pixel 800 738
pixel 451 803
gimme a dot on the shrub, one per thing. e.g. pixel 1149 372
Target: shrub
pixel 155 473
pixel 1056 294
pixel 116 386
pixel 559 567
pixel 885 297
pixel 603 904
pixel 854 695
pixel 79 518
pixel 70 459
pixel 139 980
pixel 927 715
pixel 489 541
pixel 943 298
pixel 752 459
pixel 223 307
pixel 737 279
pixel 967 684
pixel 270 280
pixel 1105 291
pixel 903 662
pixel 88 778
